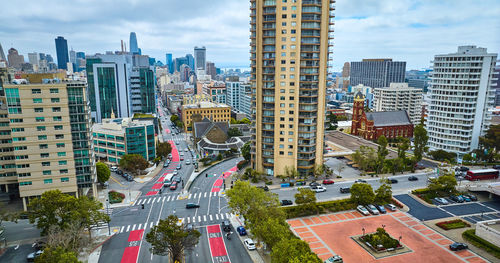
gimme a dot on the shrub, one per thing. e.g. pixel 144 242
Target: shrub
pixel 397 203
pixel 470 236
pixel 242 164
pixel 115 197
pixel 269 182
pixel 327 206
pixel 452 224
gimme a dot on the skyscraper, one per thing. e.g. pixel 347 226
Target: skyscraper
pixel 62 52
pixel 2 54
pixel 289 59
pixel 33 58
pixel 461 95
pixel 190 60
pixel 211 69
pixel 72 56
pixel 134 48
pixel 169 62
pixel 377 73
pixel 15 60
pixel 200 54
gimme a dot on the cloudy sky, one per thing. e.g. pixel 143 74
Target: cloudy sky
pixel 409 30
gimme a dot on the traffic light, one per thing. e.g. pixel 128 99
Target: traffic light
pixel 142 206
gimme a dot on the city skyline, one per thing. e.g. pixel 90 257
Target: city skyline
pixel 410 30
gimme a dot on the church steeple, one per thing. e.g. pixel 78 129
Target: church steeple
pixel 358 109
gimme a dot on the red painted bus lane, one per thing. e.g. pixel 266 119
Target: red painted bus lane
pixel 217 246
pixel 132 251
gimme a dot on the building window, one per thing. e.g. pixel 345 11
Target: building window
pixel 290 153
pixel 54 91
pixel 56 109
pixel 43 146
pixel 47 181
pixel 37 100
pixel 64 179
pixel 57 118
pixel 19 139
pixel 55 100
pixel 39 119
pixel 42 137
pixel 24 183
pixel 16 120
pixel 282 153
pixel 17 129
pixel 61 154
pixel 63 171
pixel 45 163
pixel 60 145
pixel 58 127
pixel 44 155
pixel 40 128
pixel 59 136
pixel 63 162
pixel 38 109
pixel 36 91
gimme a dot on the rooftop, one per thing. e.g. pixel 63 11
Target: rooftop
pixel 389 118
pixel 118 126
pixel 204 105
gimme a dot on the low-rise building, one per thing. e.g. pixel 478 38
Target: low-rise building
pixel 196 108
pixel 114 138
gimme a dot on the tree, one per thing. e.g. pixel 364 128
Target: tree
pixel 133 163
pixel 88 212
pixel 174 118
pixel 489 145
pixel 340 167
pixel 468 158
pixel 442 155
pixel 420 139
pixel 306 199
pixel 73 238
pixel 306 258
pixel 271 231
pixel 57 255
pixel 362 194
pixel 318 170
pixel 103 172
pixel 170 238
pixel 291 249
pixel 163 149
pixel 448 182
pixel 403 146
pixel 245 121
pixel 382 152
pixel 245 151
pixel 332 121
pixel 291 172
pixel 366 158
pixel 383 195
pixel 234 132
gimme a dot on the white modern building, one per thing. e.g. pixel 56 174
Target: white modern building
pixel 398 96
pixel 461 94
pixel 237 97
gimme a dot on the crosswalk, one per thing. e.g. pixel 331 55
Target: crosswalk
pixel 186 220
pixel 169 198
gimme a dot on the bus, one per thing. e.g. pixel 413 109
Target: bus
pixel 484 174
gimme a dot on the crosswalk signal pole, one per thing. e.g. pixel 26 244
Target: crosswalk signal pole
pixel 107 212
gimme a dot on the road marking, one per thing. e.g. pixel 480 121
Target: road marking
pixel 151 225
pixel 149 200
pixel 159 199
pixel 158 222
pixel 168 198
pixel 164 198
pixel 139 227
pixel 134 202
pixel 133 228
pixel 211 218
pixel 154 199
pixel 204 218
pixel 194 217
pixel 216 216
pixel 205 196
pixel 128 227
pixel 199 218
pixel 116 181
pixel 121 229
pixel 227 216
pixel 189 219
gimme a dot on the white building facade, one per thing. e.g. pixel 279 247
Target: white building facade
pixel 398 96
pixel 461 94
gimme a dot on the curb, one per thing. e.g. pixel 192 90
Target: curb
pixel 92 251
pixel 421 201
pixel 189 183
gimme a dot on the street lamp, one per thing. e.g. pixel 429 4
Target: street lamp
pixel 107 212
pixel 363 229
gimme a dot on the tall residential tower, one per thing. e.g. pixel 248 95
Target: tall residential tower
pixel 290 49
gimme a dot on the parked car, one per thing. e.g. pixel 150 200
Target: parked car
pixel 458 246
pixel 328 181
pixel 363 210
pixel 130 178
pixel 249 244
pixel 466 198
pixel 265 188
pixel 119 172
pixel 318 189
pixel 179 166
pixel 113 168
pixel 442 200
pixel 381 209
pixel 391 207
pixel 173 186
pixel 360 181
pixel 167 183
pixel 176 142
pixel 462 169
pixel 166 163
pixel 175 172
pixel 334 259
pixel 472 197
pixel 241 230
pixel 372 209
pixel 457 198
pixel 192 205
pixel 496 166
pixel 226 226
pixel 314 184
pixel 186 150
pixel 125 175
pixel 392 181
pixel 345 190
pixel 32 256
pixel 286 202
pixel 412 178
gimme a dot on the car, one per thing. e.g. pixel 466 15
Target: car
pixel 188 162
pixel 130 178
pixel 181 154
pixel 345 190
pixel 39 245
pixel 496 166
pixel 328 181
pixel 412 178
pixel 119 172
pixel 241 230
pixel 175 172
pixel 458 246
pixel 173 186
pixel 189 227
pixel 32 256
pixel 372 209
pixel 466 198
pixel 360 181
pixel 392 181
pixel 226 226
pixel 166 163
pixel 472 197
pixel 177 143
pixel 179 166
pixel 318 189
pixel 249 244
pixel 113 168
pixel 441 200
pixel 192 205
pixel 457 198
pixel 286 202
pixel 462 169
pixel 186 150
pixel 391 207
pixel 167 183
pixel 363 210
pixel 334 259
pixel 125 175
pixel 265 188
pixel 182 158
pixel 314 184
pixel 381 209
pixel 169 156
pixel 177 179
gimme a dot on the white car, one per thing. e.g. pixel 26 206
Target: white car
pixel 113 168
pixel 249 244
pixel 391 207
pixel 318 189
pixel 442 200
pixel 363 210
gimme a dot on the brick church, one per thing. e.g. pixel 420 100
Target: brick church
pixel 371 125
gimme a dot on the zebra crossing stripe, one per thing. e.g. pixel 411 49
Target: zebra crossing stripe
pixel 164 198
pixel 128 227
pixel 227 215
pixel 204 218
pixel 159 199
pixel 148 201
pixel 205 196
pixel 194 217
pixel 133 228
pixel 121 229
pixel 199 218
pixel 189 219
pixel 211 218
pixel 139 227
pixel 216 216
pixel 151 225
pixel 189 197
pixel 168 198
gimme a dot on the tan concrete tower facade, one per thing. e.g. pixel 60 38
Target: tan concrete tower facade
pixel 290 50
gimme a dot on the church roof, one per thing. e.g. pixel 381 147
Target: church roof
pixel 203 127
pixel 359 96
pixel 389 118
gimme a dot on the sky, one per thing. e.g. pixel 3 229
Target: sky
pixel 405 30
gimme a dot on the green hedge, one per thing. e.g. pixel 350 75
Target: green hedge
pixel 470 235
pixel 321 207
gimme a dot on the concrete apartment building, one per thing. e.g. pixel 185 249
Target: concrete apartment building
pixel 461 94
pixel 398 96
pixel 45 140
pixel 114 138
pixel 290 49
pixel 377 73
pixel 196 108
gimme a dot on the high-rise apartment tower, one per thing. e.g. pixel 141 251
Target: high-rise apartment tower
pixel 290 49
